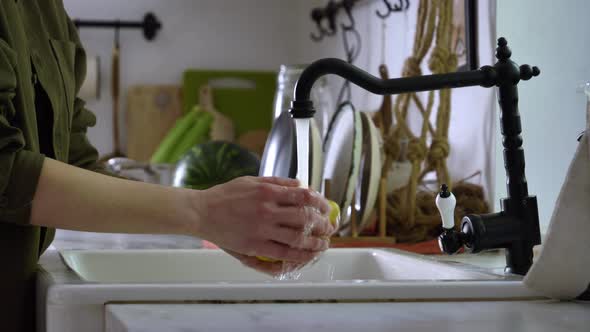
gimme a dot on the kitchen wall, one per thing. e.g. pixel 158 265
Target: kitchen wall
pixel 216 34
pixel 554 36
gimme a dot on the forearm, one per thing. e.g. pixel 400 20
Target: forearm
pixel 72 198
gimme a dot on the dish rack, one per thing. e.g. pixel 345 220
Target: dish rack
pixel 355 239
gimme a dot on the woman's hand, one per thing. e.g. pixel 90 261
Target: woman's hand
pixel 248 217
pixel 270 217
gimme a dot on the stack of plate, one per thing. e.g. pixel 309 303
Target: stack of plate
pixel 350 160
pixel 353 164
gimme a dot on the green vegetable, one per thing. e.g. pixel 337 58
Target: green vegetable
pixel 199 133
pixel 212 163
pixel 175 135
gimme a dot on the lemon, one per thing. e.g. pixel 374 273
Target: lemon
pixel 334 218
pixel 334 213
pixel 266 259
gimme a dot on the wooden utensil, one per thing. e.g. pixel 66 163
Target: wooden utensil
pixel 151 111
pixel 222 128
pixel 115 86
pixel 383 117
pixel 115 95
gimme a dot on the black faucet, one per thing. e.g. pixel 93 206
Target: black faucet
pixel 516 227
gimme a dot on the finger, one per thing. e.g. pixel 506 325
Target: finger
pixel 324 230
pixel 287 182
pixel 302 197
pixel 271 268
pixel 283 252
pixel 297 239
pixel 235 254
pixel 301 217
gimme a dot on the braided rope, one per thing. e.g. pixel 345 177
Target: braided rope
pixel 434 24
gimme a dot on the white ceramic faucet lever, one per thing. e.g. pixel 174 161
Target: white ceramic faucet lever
pixel 446 202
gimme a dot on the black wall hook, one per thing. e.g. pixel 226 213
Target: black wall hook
pixel 347 5
pixel 389 10
pixel 317 15
pixel 398 7
pixel 330 14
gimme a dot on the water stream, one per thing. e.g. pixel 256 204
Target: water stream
pixel 302 141
pixel 289 270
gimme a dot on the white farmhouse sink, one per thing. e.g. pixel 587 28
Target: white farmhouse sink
pixel 215 266
pixel 75 295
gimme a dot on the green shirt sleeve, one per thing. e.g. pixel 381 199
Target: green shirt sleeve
pixel 20 169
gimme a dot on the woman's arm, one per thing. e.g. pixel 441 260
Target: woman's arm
pixel 250 216
pixel 69 197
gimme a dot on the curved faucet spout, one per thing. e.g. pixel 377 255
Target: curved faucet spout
pixel 484 76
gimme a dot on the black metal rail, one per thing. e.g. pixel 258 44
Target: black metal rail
pixel 150 25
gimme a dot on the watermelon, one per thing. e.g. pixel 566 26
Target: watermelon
pixel 212 163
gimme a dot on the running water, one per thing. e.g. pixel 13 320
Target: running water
pixel 302 140
pixel 291 271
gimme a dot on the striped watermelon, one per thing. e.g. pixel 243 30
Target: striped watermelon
pixel 212 163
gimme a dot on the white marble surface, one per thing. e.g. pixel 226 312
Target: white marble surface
pixel 533 316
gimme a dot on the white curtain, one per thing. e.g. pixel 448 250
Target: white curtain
pixel 473 119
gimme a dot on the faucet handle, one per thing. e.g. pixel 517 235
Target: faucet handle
pixel 446 202
pixel 450 241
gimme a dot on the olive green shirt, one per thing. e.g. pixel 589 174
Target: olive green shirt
pixel 42 66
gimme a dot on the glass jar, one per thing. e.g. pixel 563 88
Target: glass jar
pixel 320 95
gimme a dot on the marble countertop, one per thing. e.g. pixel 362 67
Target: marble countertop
pixel 533 316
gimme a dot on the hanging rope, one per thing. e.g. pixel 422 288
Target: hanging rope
pixel 412 67
pixel 442 60
pixel 434 25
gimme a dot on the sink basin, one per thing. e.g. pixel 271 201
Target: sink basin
pixel 215 266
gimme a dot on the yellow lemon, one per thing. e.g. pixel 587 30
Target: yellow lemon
pixel 334 218
pixel 266 259
pixel 334 213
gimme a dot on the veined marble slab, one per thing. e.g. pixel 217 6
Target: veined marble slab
pixel 531 316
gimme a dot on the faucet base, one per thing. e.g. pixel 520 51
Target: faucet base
pixel 514 229
pixel 519 258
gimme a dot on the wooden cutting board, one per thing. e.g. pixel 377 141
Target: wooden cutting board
pixel 151 112
pixel 246 97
